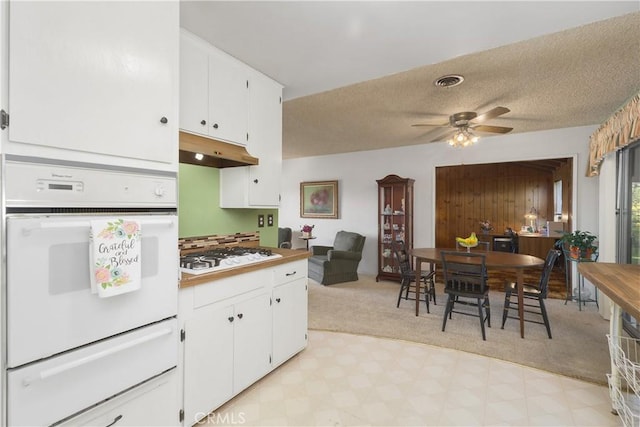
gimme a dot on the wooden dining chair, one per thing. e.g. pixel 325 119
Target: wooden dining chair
pixel 537 292
pixel 465 283
pixel 408 277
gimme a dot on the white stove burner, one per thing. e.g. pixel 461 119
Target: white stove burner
pixel 232 262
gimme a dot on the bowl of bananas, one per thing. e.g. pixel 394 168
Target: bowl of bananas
pixel 468 242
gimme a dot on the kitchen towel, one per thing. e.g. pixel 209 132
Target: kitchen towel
pixel 114 256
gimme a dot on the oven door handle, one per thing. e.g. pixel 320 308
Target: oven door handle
pixel 56 370
pixel 86 224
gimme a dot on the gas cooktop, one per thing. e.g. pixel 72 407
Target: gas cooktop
pixel 224 258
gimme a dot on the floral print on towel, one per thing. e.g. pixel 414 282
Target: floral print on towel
pixel 119 229
pixel 107 277
pixel 116 252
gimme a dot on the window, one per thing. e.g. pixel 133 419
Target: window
pixel 628 208
pixel 557 200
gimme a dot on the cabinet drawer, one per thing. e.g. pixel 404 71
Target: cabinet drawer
pixel 288 272
pixel 50 390
pixel 153 403
pixel 228 287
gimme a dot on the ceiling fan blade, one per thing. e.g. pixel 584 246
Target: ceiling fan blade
pixel 492 129
pixel 441 135
pixel 495 112
pixel 429 124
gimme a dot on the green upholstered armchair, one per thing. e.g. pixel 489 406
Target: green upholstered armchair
pixel 337 263
pixel 284 237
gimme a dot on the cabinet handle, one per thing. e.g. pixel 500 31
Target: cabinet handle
pixel 230 318
pixel 277 299
pixel 255 180
pixel 115 420
pixel 215 126
pixel 164 120
pixel 291 274
pixel 240 315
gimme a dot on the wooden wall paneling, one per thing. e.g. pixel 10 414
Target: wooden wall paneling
pixel 520 205
pixel 499 199
pixel 510 219
pixel 502 193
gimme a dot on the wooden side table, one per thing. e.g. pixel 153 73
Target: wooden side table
pixel 306 239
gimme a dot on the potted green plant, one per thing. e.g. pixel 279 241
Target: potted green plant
pixel 580 243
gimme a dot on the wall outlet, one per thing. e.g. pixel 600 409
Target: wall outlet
pixel 260 220
pixel 270 220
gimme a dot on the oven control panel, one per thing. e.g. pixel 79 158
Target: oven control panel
pixel 33 184
pixel 50 185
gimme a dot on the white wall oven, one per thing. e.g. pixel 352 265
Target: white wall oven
pixel 70 349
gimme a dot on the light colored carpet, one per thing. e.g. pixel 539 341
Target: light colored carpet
pixel 578 348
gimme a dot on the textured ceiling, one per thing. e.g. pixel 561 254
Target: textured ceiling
pixel 568 78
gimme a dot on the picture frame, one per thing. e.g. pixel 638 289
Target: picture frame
pixel 319 199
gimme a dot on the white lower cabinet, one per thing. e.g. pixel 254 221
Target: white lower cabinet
pixel 251 343
pixel 238 329
pixel 208 362
pixel 227 348
pixel 289 302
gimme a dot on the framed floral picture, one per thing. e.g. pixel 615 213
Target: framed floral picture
pixel 319 199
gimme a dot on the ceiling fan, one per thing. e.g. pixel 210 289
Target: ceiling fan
pixel 465 122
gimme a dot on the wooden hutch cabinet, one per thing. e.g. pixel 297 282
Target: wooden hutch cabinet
pixel 395 222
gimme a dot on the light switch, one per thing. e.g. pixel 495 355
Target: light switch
pixel 261 220
pixel 270 220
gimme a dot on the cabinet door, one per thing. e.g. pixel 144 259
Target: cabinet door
pixel 258 186
pixel 87 76
pixel 208 361
pixel 252 341
pixel 194 86
pixel 265 140
pixel 289 319
pixel 228 98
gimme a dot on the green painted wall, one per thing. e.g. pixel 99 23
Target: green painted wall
pixel 199 212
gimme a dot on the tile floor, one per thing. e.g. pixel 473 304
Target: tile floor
pixel 352 380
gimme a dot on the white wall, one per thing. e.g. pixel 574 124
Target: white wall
pixel 607 238
pixel 357 174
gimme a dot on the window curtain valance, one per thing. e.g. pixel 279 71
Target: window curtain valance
pixel 622 128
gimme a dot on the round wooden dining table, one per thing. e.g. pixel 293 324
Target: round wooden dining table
pixel 494 261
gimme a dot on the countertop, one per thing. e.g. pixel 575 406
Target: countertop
pixel 288 255
pixel 620 282
pixel 556 236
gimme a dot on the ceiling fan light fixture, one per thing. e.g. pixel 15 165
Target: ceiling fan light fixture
pixel 463 138
pixel 449 80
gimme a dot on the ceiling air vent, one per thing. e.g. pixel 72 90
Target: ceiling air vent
pixel 449 80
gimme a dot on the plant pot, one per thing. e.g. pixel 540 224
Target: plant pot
pixel 575 253
pixel 306 234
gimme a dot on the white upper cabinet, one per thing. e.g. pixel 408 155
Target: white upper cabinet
pixel 95 81
pixel 213 91
pixel 223 99
pixel 228 98
pixel 194 86
pixel 4 68
pixel 265 140
pixel 258 186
